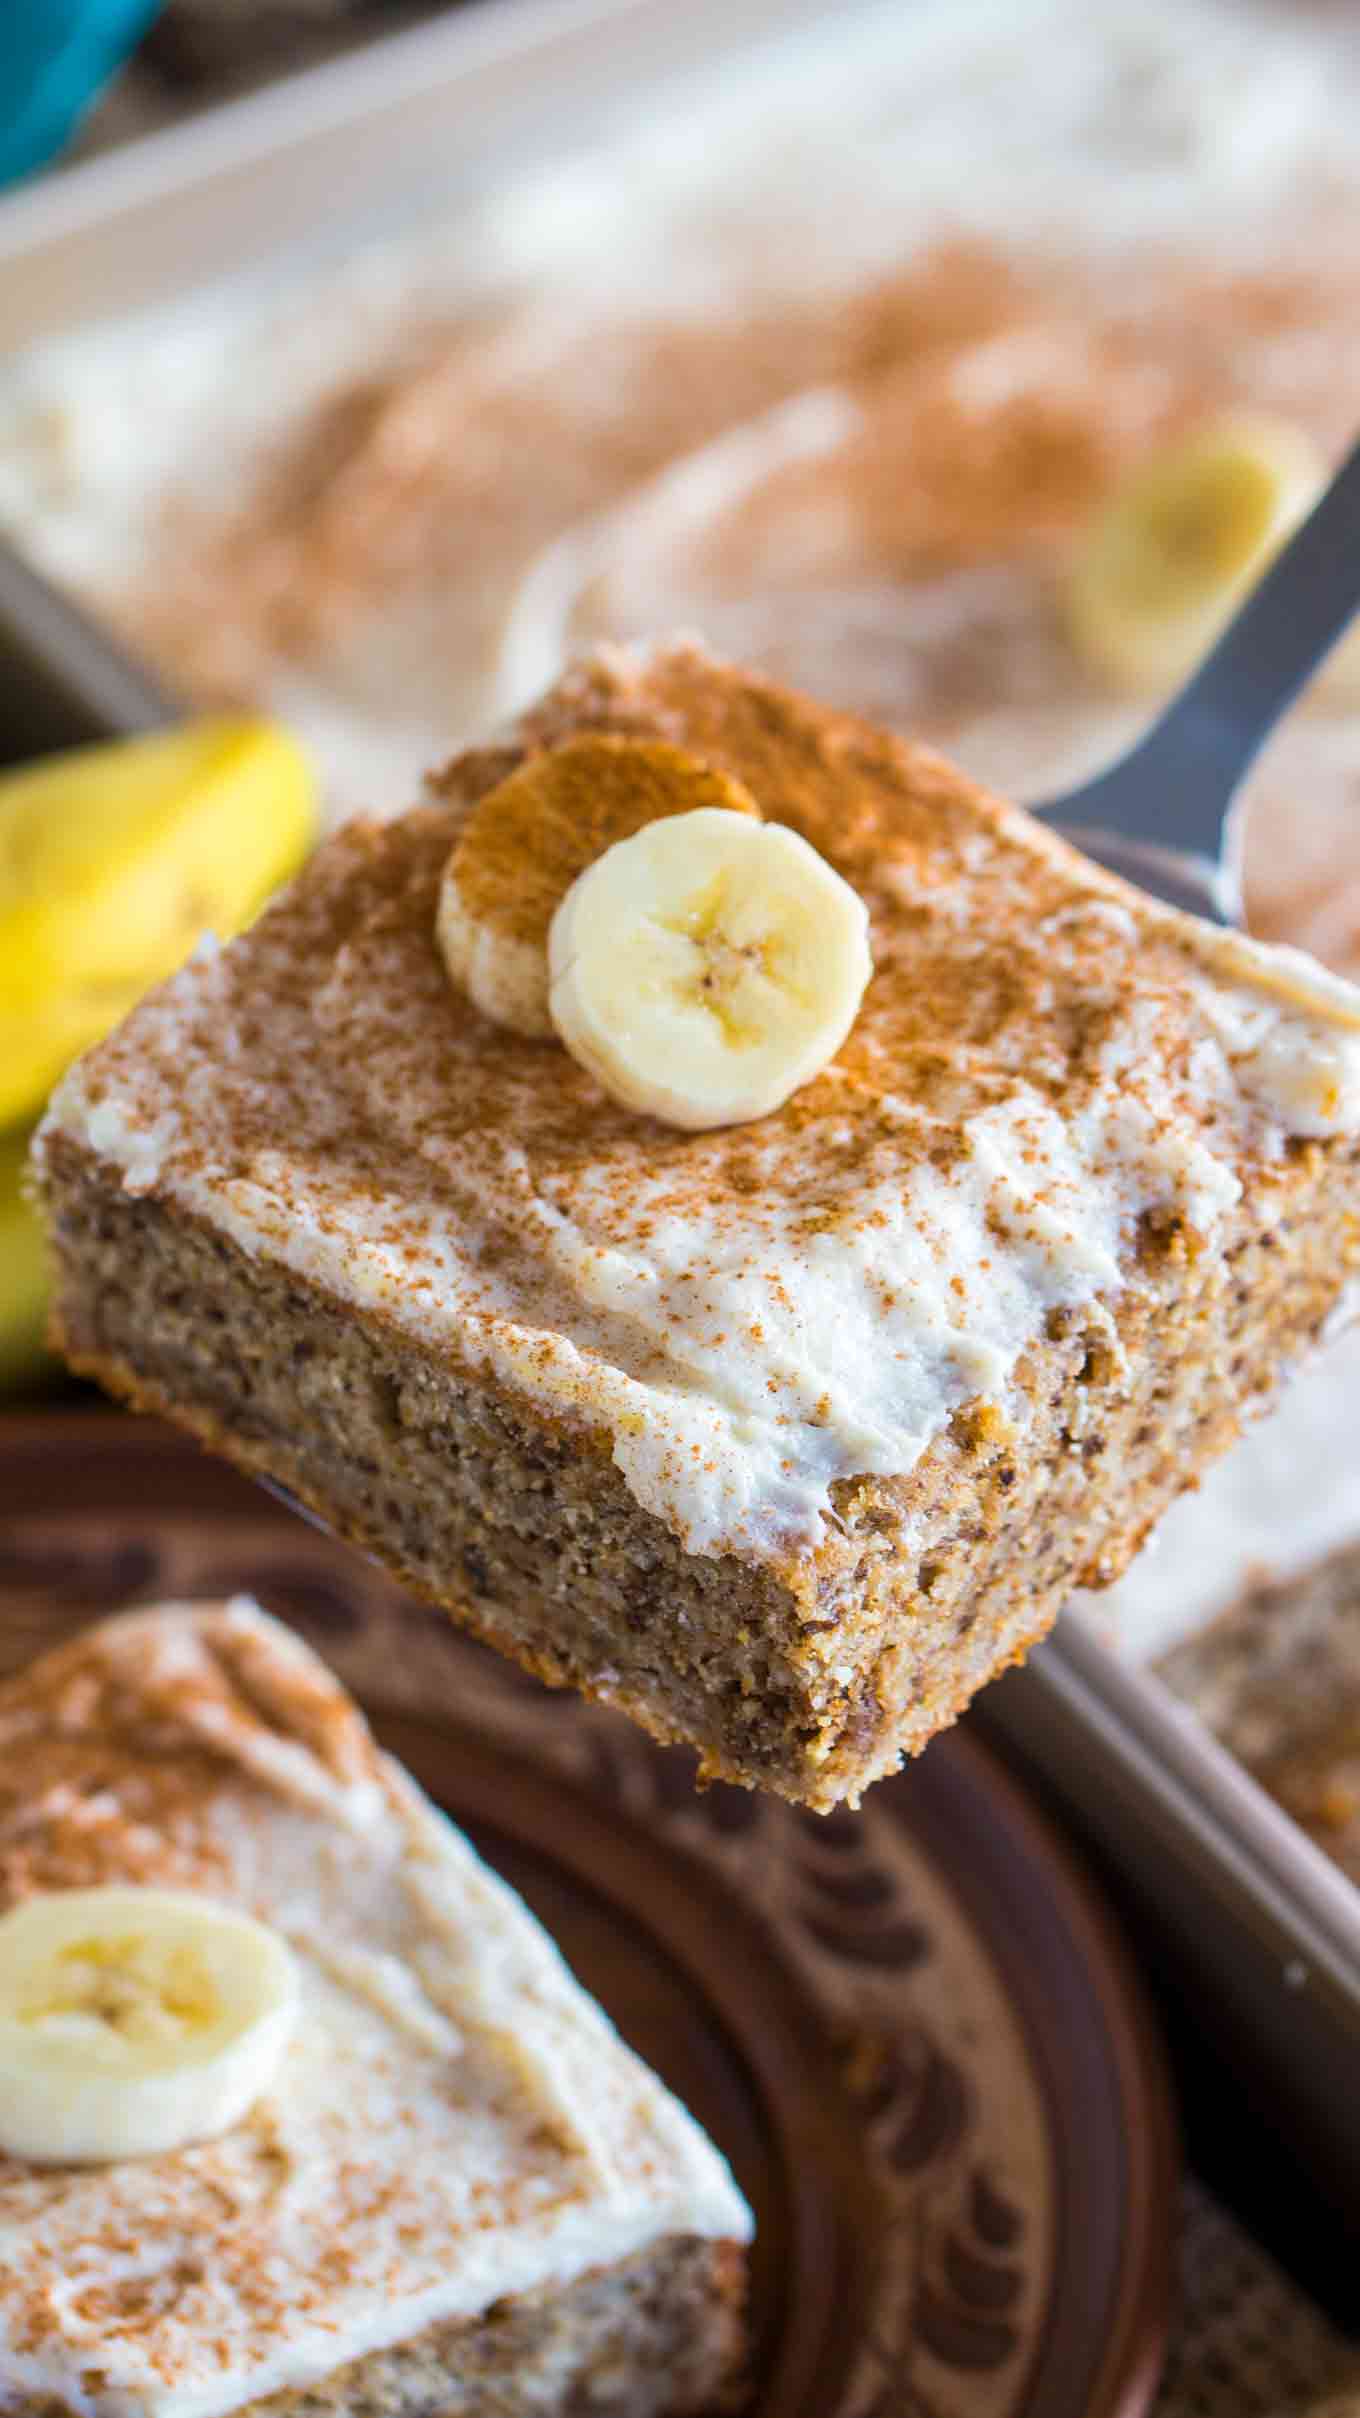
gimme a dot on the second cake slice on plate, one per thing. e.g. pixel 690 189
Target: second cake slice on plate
pixel 549 1194
pixel 301 2113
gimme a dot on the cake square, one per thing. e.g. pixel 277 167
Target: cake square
pixel 460 2191
pixel 782 1437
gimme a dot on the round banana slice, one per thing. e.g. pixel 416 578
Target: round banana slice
pixel 707 968
pixel 1172 556
pixel 526 841
pixel 134 2021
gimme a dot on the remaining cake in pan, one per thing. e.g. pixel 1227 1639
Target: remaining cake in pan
pixel 784 1436
pixel 1277 1677
pixel 445 2183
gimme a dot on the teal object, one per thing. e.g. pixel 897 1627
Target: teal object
pixel 55 56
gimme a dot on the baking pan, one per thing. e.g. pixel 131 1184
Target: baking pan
pixel 1239 1904
pixel 64 681
pixel 1241 1916
pixel 446 109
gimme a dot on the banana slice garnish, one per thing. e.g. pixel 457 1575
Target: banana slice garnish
pixel 708 967
pixel 526 841
pixel 1176 550
pixel 134 2021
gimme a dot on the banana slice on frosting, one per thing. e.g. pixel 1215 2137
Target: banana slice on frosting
pixel 526 841
pixel 1176 550
pixel 708 967
pixel 134 2021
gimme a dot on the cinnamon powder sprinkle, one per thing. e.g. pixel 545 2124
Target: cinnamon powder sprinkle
pixel 527 839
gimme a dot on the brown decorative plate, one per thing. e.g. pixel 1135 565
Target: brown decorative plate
pixel 912 2029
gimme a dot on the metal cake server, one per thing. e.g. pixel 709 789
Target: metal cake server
pixel 1237 1901
pixel 1163 815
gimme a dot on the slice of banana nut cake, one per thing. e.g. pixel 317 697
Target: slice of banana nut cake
pixel 744 1218
pixel 301 2113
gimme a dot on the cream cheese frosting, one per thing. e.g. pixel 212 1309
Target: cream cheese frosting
pixel 1043 1062
pixel 455 2121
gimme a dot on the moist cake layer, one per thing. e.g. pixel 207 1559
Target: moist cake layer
pixel 811 1681
pixel 1274 1509
pixel 1046 1068
pixel 456 2124
pixel 656 2336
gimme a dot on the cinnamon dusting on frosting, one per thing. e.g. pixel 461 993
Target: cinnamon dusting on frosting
pixel 1039 1069
pixel 526 840
pixel 455 2120
pixel 112 1749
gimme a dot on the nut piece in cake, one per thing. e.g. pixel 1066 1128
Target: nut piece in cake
pixel 786 1435
pixel 452 2182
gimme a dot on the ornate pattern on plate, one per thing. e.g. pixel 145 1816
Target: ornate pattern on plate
pixel 956 2217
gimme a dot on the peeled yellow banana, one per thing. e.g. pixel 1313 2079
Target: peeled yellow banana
pixel 114 860
pixel 23 1282
pixel 134 2021
pixel 1171 557
pixel 708 967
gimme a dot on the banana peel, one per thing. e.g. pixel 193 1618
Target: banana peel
pixel 23 1272
pixel 115 860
